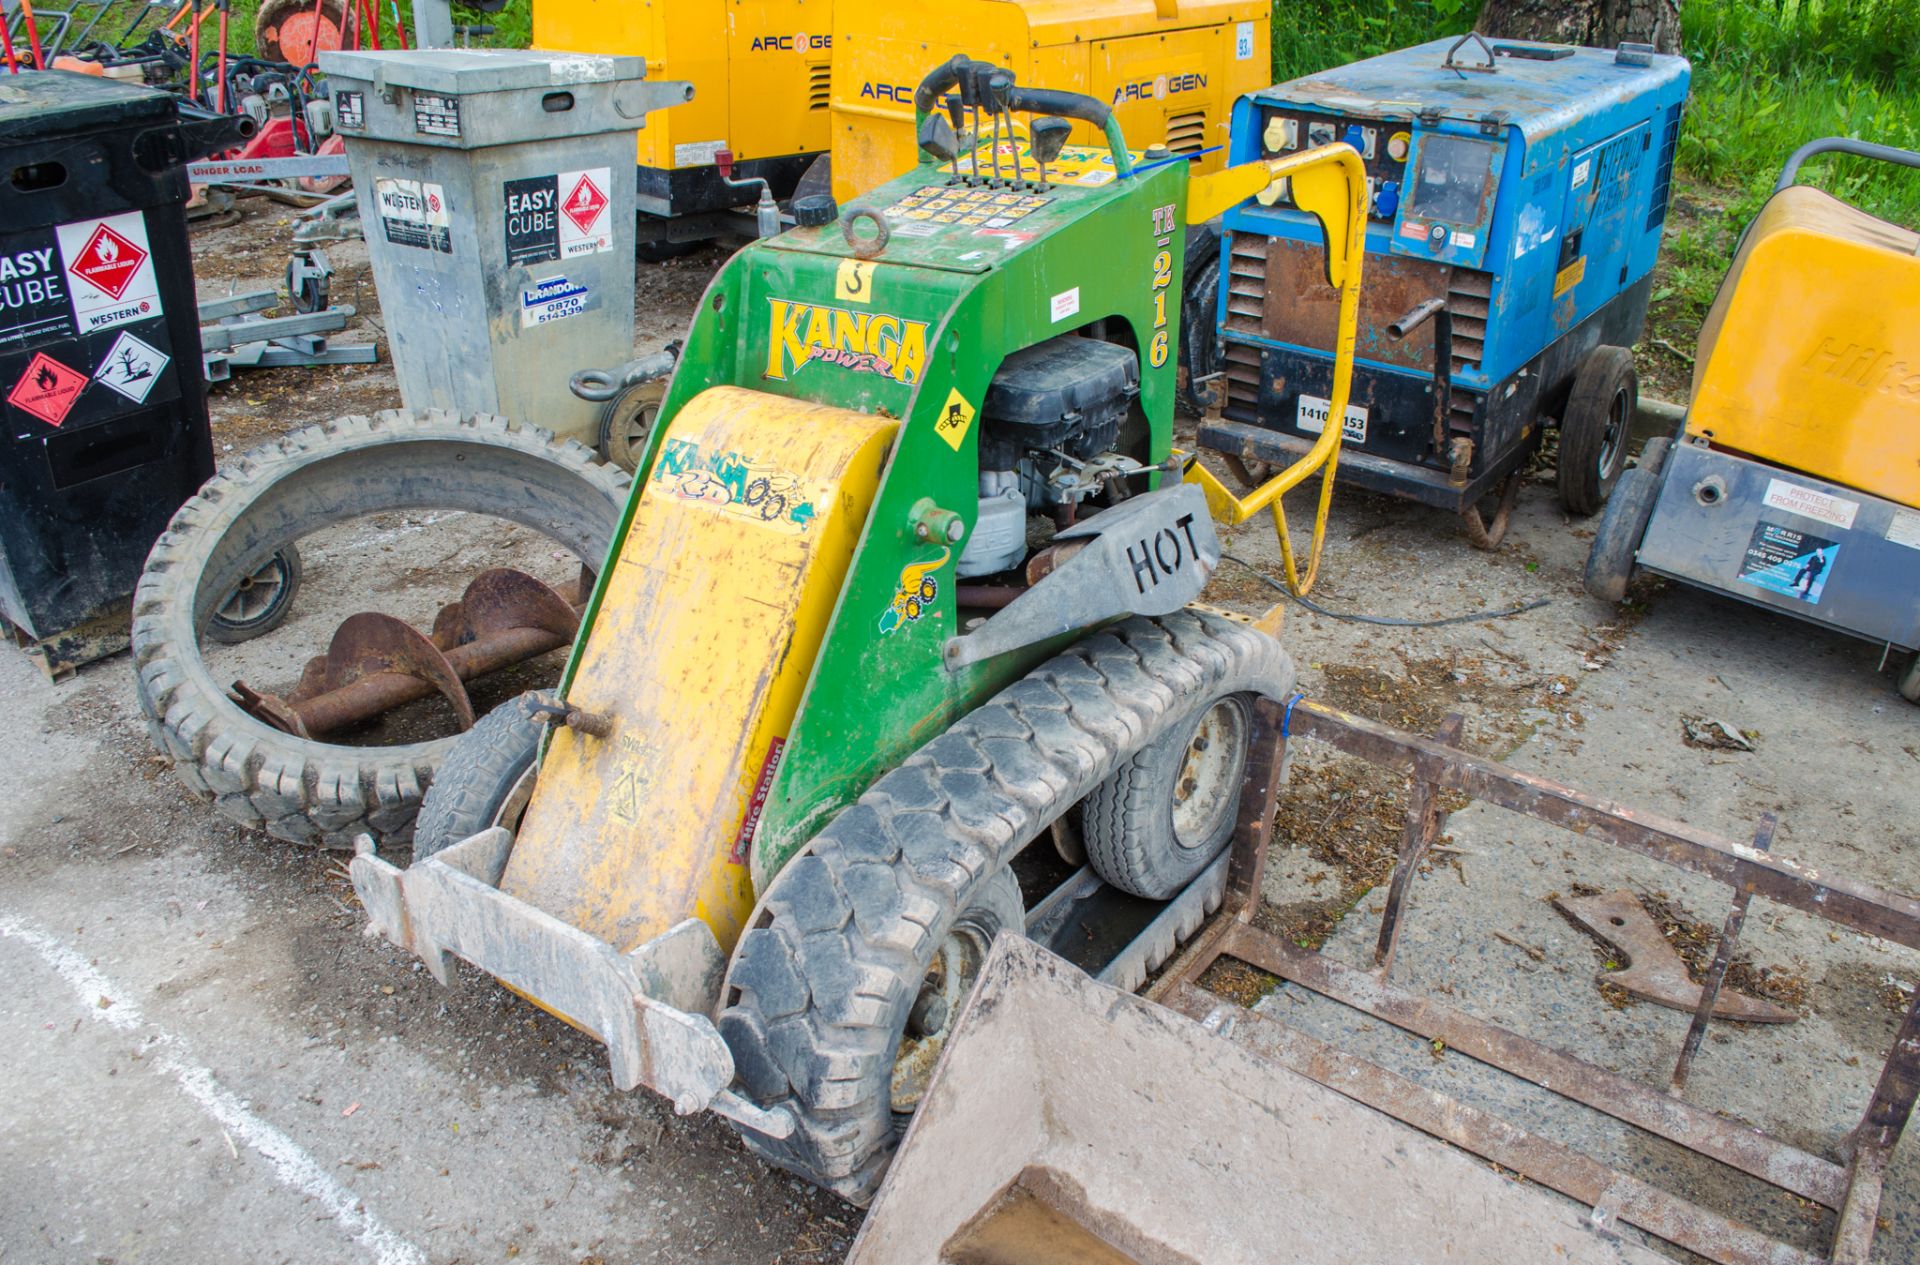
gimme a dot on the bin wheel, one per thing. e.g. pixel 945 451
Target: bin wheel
pixel 486 779
pixel 1624 525
pixel 1910 680
pixel 260 602
pixel 1163 816
pixel 626 424
pixel 1596 430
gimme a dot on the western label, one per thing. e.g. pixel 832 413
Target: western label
pixel 532 220
pixel 1836 511
pixel 585 226
pixel 1791 563
pixel 436 116
pixel 33 290
pixel 554 299
pixel 414 214
pixel 47 389
pixel 109 271
pixel 131 367
pixel 864 342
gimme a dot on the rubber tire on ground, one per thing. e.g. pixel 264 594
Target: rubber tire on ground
pixel 820 984
pixel 234 631
pixel 1605 377
pixel 616 423
pixel 1624 525
pixel 1199 344
pixel 293 788
pixel 1909 684
pixel 479 777
pixel 1127 824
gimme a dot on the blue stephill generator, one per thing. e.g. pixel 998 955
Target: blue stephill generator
pixel 1517 196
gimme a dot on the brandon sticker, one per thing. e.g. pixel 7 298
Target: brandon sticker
pixel 553 299
pixel 561 216
pixel 109 271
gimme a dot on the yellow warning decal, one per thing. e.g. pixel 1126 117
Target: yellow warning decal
pixel 1569 276
pixel 956 418
pixel 854 281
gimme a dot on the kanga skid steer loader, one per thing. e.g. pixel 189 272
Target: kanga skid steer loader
pixel 903 579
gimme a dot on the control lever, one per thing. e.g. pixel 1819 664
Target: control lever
pixel 939 140
pixel 1048 136
pixel 766 213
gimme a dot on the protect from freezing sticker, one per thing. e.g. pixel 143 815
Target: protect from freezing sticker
pixel 33 290
pixel 436 116
pixel 1811 503
pixel 414 214
pixel 109 271
pixel 131 367
pixel 554 299
pixel 1788 562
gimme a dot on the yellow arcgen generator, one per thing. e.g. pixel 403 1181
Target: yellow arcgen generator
pixel 777 83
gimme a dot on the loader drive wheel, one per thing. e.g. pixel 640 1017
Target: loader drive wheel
pixel 1597 429
pixel 829 983
pixel 261 601
pixel 1164 815
pixel 627 424
pixel 486 780
pixel 1624 524
pixel 1199 355
pixel 295 788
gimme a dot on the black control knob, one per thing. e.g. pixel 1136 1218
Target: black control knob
pixel 814 209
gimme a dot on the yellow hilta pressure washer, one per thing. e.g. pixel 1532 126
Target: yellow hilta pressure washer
pixel 1795 482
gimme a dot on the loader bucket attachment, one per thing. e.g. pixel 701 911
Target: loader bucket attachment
pixel 1071 1121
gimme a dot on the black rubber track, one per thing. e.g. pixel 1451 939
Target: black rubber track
pixel 294 788
pixel 820 984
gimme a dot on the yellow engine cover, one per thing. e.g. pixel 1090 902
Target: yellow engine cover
pixel 706 635
pixel 1171 69
pixel 1810 356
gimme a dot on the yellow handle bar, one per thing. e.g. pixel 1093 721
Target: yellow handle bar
pixel 1331 183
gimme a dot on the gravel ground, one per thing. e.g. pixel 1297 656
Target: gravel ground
pixel 206 1061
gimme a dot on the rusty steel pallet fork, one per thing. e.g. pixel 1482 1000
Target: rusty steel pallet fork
pixel 1851 1190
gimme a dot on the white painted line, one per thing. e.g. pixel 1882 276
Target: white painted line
pixel 291 1164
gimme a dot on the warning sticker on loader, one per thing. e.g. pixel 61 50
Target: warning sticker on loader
pixel 562 216
pixel 109 271
pixel 1788 562
pixel 414 214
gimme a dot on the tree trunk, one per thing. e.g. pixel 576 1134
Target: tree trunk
pixel 1594 23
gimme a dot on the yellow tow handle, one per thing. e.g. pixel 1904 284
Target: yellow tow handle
pixel 1331 183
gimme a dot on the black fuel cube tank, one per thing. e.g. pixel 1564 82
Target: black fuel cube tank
pixel 101 385
pixel 1069 393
